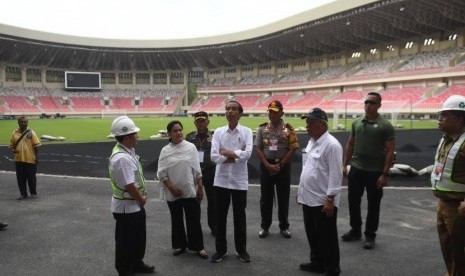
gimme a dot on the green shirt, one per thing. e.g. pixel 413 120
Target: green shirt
pixel 369 143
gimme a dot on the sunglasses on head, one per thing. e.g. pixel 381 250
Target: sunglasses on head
pixel 370 102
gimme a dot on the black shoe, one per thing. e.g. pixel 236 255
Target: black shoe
pixel 217 257
pixel 144 268
pixel 22 197
pixel 244 257
pixel 311 267
pixel 369 243
pixel 3 225
pixel 263 234
pixel 352 235
pixel 285 233
pixel 125 273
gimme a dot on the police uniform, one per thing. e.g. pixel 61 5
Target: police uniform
pixel 203 145
pixel 275 142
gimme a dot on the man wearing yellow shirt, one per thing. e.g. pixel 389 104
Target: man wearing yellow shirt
pixel 25 145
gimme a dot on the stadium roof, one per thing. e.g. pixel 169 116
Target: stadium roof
pixel 329 29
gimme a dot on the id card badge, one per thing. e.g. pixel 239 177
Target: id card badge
pixel 201 155
pixel 273 144
pixel 437 171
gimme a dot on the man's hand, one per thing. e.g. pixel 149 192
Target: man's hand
pixel 199 193
pixel 328 208
pixel 143 201
pixel 175 191
pixel 382 181
pixel 273 168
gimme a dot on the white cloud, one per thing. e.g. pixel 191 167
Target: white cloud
pixel 148 19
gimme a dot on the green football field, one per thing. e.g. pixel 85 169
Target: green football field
pixel 96 129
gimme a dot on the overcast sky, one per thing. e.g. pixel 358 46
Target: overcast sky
pixel 148 19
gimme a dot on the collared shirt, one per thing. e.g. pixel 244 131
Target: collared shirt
pixel 322 172
pixel 240 140
pixel 276 141
pixel 25 148
pixel 124 170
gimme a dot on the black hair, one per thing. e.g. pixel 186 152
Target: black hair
pixel 241 110
pixel 170 126
pixel 120 138
pixel 377 95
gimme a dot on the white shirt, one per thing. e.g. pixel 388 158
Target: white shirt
pixel 124 170
pixel 322 172
pixel 233 176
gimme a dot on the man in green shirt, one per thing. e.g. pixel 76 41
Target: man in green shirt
pixel 370 152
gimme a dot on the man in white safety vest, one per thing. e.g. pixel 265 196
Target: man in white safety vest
pixel 128 200
pixel 448 183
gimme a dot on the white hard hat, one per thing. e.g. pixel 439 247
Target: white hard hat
pixel 123 125
pixel 454 102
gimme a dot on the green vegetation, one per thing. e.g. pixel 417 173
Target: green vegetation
pixel 96 129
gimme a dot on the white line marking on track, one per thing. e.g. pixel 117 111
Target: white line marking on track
pixel 156 181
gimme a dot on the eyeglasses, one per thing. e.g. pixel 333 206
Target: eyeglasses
pixel 370 102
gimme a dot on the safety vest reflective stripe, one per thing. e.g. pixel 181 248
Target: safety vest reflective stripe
pixel 118 192
pixel 446 184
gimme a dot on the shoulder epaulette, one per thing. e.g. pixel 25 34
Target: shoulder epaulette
pixel 264 124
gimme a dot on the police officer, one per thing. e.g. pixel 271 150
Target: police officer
pixel 275 144
pixel 448 183
pixel 202 139
pixel 128 200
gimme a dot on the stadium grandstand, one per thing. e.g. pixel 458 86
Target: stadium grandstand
pixel 410 51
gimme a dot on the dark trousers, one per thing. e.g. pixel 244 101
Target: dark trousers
pixel 239 202
pixel 322 237
pixel 358 181
pixel 130 238
pixel 194 238
pixel 282 181
pixel 26 174
pixel 451 229
pixel 208 177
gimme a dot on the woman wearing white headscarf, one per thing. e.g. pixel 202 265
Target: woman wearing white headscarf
pixel 181 186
